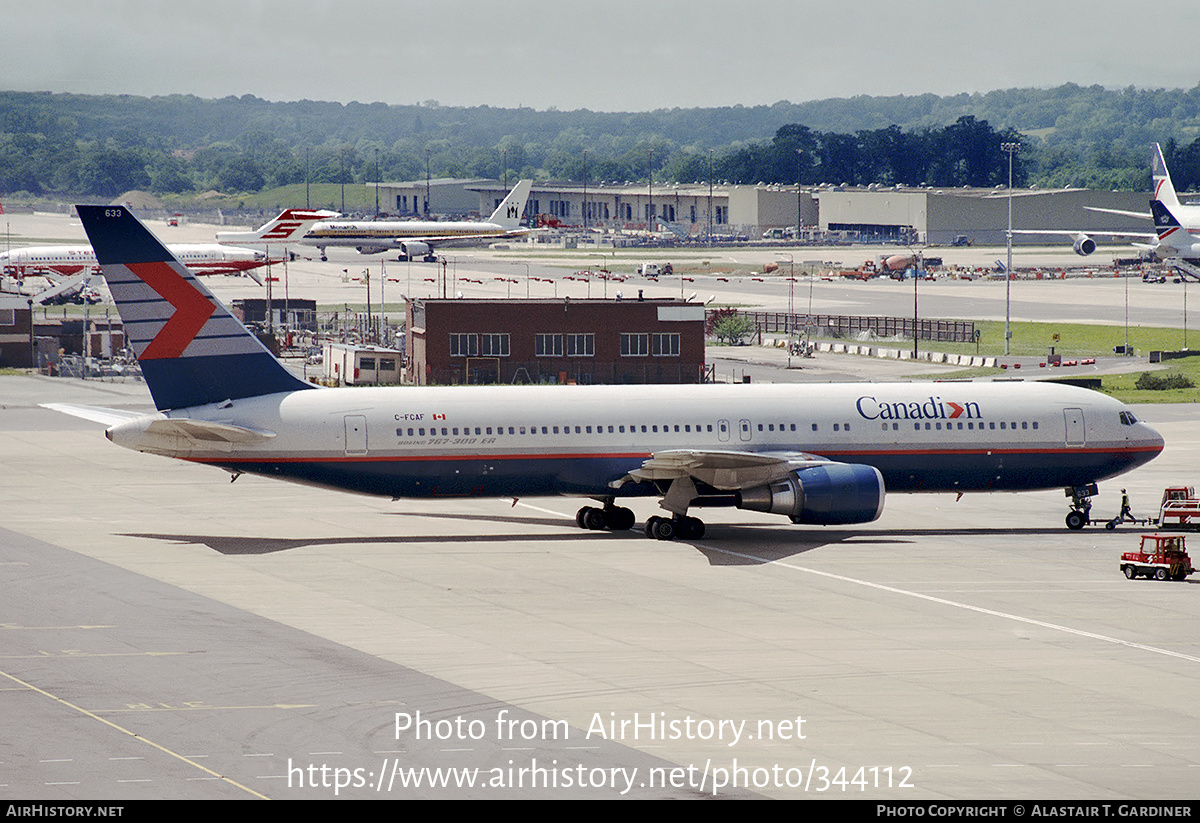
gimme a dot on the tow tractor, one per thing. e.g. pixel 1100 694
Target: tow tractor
pixel 1162 556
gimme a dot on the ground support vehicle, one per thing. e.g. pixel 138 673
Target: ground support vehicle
pixel 1179 509
pixel 1161 556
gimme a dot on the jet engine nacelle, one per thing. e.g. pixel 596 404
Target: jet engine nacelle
pixel 833 494
pixel 371 249
pixel 1084 245
pixel 414 250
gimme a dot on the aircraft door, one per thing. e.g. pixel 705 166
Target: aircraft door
pixel 744 432
pixel 356 434
pixel 723 430
pixel 1076 434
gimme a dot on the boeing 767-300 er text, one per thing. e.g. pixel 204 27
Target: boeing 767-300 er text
pixel 818 455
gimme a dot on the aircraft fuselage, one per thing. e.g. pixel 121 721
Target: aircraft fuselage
pixel 579 440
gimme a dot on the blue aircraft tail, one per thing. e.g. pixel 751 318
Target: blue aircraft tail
pixel 1165 224
pixel 192 351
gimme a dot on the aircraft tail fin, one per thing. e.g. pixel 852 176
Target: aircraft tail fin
pixel 288 228
pixel 1165 223
pixel 1164 189
pixel 508 213
pixel 192 351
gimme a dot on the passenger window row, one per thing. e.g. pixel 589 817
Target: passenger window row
pixel 969 425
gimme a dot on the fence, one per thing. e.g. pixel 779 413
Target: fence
pixel 834 325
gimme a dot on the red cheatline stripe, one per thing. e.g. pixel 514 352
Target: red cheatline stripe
pixel 267 457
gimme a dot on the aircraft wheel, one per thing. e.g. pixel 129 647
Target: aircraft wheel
pixel 664 529
pixel 1160 574
pixel 1130 572
pixel 1075 520
pixel 619 518
pixel 650 523
pixel 591 518
pixel 690 528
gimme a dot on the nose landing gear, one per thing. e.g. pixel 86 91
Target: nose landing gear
pixel 1081 505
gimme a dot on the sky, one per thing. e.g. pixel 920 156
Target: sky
pixel 613 55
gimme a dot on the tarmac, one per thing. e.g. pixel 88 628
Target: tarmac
pixel 170 634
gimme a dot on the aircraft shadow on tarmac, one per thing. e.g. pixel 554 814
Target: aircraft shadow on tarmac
pixel 740 544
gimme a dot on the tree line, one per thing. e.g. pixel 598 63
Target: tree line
pixel 104 145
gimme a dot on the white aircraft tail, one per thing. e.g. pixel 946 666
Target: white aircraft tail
pixel 508 213
pixel 288 228
pixel 1164 190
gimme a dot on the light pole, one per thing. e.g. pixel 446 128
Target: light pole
pixel 710 195
pixel 1010 149
pixel 650 193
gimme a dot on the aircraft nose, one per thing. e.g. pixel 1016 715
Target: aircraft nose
pixel 1149 440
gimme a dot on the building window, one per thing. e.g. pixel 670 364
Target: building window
pixel 464 345
pixel 666 345
pixel 494 345
pixel 548 345
pixel 635 345
pixel 581 345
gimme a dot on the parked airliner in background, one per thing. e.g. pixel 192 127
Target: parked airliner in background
pixel 69 260
pixel 1164 191
pixel 223 257
pixel 417 238
pixel 817 457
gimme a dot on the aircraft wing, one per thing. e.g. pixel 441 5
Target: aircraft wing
pixel 450 239
pixel 1077 233
pixel 1145 215
pixel 806 487
pixel 724 470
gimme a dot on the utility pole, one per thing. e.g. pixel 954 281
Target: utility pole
pixel 1010 149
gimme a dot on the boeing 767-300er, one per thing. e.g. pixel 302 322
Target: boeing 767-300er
pixel 818 455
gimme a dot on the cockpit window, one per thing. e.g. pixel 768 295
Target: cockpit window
pixel 1127 418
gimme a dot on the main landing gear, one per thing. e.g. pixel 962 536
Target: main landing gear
pixel 618 518
pixel 1081 505
pixel 679 527
pixel 613 518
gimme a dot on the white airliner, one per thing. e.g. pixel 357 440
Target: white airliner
pixel 222 257
pixel 817 455
pixel 417 238
pixel 202 258
pixel 1164 191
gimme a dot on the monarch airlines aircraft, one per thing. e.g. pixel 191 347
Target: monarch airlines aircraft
pixel 816 454
pixel 416 238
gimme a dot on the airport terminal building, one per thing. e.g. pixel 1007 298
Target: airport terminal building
pixel 747 212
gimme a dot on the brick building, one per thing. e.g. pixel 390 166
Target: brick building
pixel 555 341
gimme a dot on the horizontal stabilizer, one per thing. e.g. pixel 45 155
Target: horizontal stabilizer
pixel 97 414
